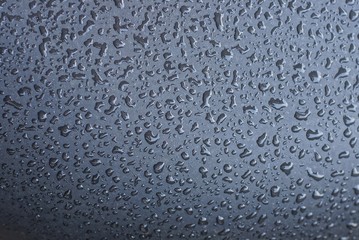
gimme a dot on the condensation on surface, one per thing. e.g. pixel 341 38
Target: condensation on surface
pixel 179 119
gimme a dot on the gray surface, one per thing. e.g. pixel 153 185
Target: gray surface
pixel 179 119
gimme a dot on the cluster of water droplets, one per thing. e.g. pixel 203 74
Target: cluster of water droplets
pixel 180 119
